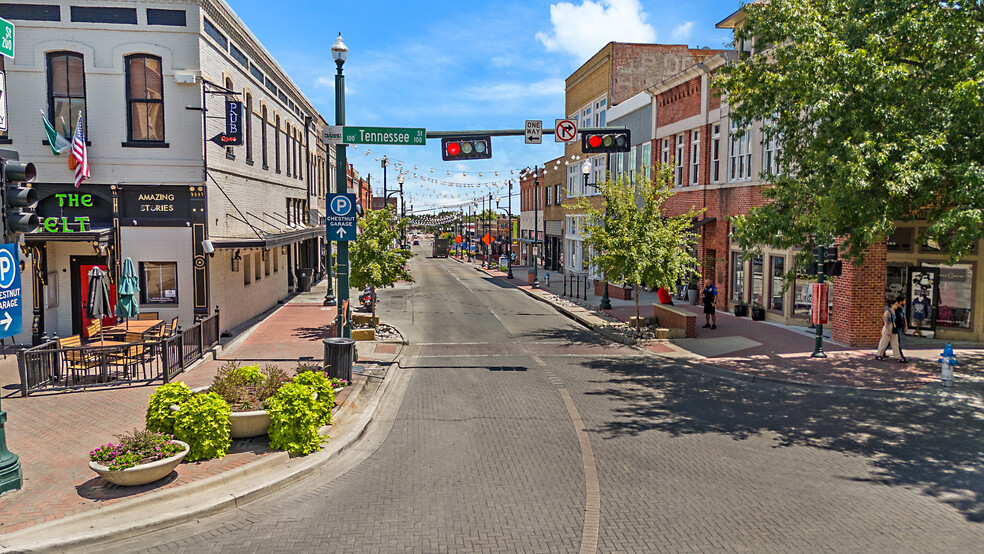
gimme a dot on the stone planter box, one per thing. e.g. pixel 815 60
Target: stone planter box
pixel 363 334
pixel 143 473
pixel 364 319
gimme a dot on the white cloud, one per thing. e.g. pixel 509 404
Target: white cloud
pixel 682 32
pixel 513 91
pixel 583 30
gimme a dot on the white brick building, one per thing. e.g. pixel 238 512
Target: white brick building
pixel 137 71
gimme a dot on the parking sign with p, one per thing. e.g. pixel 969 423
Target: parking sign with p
pixel 10 291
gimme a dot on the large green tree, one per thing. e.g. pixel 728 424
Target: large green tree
pixel 374 262
pixel 633 241
pixel 878 108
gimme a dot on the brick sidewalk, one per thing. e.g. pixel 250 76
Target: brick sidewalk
pixel 781 352
pixel 53 432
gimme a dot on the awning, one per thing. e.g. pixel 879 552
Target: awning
pixel 102 235
pixel 701 223
pixel 268 241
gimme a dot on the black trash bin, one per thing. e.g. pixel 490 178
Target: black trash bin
pixel 339 355
pixel 305 277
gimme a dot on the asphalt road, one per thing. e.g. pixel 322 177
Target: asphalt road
pixel 518 431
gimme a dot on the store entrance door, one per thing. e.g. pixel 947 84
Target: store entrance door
pixel 922 298
pixel 80 267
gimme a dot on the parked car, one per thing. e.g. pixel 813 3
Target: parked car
pixel 416 242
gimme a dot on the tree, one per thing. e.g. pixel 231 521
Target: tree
pixel 633 241
pixel 877 107
pixel 374 263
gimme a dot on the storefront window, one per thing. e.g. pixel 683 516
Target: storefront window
pixel 778 268
pixel 901 240
pixel 895 279
pixel 801 293
pixel 955 290
pixel 757 284
pixel 737 277
pixel 159 283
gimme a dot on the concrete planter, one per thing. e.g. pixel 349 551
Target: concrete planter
pixel 143 473
pixel 363 334
pixel 243 425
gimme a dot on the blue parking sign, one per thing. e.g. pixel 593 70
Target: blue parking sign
pixel 10 291
pixel 340 220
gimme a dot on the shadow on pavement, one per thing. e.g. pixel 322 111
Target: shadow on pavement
pixel 907 442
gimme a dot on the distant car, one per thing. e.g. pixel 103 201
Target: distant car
pixel 416 243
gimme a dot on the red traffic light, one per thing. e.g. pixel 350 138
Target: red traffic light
pixel 466 148
pixel 594 141
pixel 454 148
pixel 616 140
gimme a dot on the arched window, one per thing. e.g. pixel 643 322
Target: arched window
pixel 144 98
pixel 249 128
pixel 276 143
pixel 263 135
pixel 66 91
pixel 287 137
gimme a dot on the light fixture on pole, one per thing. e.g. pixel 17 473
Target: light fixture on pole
pixel 344 320
pixel 403 212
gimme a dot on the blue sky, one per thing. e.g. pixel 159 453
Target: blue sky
pixel 461 65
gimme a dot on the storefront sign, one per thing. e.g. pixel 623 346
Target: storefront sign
pixel 155 206
pixel 72 210
pixel 820 303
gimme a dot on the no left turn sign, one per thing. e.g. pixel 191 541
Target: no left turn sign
pixel 565 130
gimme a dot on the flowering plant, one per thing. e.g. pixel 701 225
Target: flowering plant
pixel 138 447
pixel 336 382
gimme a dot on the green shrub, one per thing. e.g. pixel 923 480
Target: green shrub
pixel 160 418
pixel 203 423
pixel 319 383
pixel 294 419
pixel 247 388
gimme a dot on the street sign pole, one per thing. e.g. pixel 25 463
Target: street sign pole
pixel 11 476
pixel 344 320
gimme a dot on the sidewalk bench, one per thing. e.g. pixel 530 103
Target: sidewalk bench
pixel 675 318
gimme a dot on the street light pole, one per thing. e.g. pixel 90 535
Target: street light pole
pixel 384 162
pixel 403 212
pixel 536 204
pixel 606 302
pixel 509 222
pixel 329 293
pixel 488 247
pixel 344 320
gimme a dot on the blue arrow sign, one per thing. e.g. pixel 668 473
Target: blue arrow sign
pixel 340 221
pixel 10 291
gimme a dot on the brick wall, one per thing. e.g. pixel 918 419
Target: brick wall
pixel 669 317
pixel 859 300
pixel 680 102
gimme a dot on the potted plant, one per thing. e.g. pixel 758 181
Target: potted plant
pixel 758 312
pixel 138 458
pixel 246 389
pixel 741 309
pixel 199 419
pixel 692 293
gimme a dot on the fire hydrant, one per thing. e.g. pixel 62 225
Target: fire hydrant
pixel 947 361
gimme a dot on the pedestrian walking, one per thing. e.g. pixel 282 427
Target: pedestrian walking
pixel 888 335
pixel 707 295
pixel 920 311
pixel 901 325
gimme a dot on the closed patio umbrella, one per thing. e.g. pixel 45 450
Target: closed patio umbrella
pixel 127 290
pixel 99 301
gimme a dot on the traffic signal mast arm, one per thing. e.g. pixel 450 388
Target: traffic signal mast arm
pixel 509 132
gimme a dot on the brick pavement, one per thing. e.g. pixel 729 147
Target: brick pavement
pixel 52 432
pixel 781 352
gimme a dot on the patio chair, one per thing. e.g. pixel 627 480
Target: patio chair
pixel 129 357
pixel 173 330
pixel 92 331
pixel 78 361
pixel 148 315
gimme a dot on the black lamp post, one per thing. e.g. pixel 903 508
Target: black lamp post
pixel 606 302
pixel 509 244
pixel 344 321
pixel 536 204
pixel 403 212
pixel 384 162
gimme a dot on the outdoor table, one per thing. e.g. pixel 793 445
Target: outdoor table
pixel 104 355
pixel 141 326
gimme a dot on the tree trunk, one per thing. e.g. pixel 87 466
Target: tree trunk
pixel 373 289
pixel 638 319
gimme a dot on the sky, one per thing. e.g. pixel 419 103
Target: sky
pixel 447 66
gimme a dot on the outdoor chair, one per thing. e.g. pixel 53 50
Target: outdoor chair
pixel 77 361
pixel 148 315
pixel 93 330
pixel 173 330
pixel 129 357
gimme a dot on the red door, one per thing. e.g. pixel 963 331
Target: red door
pixel 84 269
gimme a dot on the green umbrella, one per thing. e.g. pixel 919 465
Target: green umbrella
pixel 127 290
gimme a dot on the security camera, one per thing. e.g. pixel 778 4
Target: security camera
pixel 208 248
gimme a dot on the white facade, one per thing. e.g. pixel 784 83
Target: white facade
pixel 148 193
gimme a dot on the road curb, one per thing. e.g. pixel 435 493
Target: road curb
pixel 213 495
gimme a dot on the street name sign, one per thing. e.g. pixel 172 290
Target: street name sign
pixel 6 38
pixel 340 222
pixel 565 130
pixel 10 291
pixel 394 136
pixel 534 131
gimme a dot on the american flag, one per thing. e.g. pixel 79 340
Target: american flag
pixel 80 154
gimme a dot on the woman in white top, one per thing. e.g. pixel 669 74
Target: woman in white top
pixel 888 335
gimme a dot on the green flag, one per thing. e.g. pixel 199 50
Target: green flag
pixel 58 143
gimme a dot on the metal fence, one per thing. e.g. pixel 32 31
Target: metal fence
pixel 48 367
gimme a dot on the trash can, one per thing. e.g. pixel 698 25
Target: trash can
pixel 339 354
pixel 305 277
pixel 503 263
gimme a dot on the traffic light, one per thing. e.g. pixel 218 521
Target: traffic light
pixel 466 148
pixel 19 201
pixel 606 143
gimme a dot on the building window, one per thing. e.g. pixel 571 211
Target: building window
pixel 901 239
pixel 287 147
pixel 159 283
pixel 66 91
pixel 716 154
pixel 741 155
pixel 678 162
pixel 802 295
pixel 557 194
pixel 737 277
pixel 955 293
pixel 770 153
pixel 694 155
pixel 263 135
pixel 249 128
pixel 238 55
pixel 664 158
pixel 276 260
pixel 647 160
pixel 757 284
pixel 276 143
pixel 213 31
pixel 633 162
pixel 266 263
pixel 145 99
pixel 247 274
pixel 778 268
pixel 173 18
pixel 257 265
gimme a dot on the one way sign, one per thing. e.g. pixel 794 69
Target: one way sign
pixel 340 222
